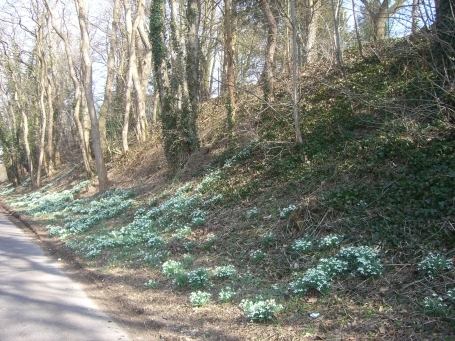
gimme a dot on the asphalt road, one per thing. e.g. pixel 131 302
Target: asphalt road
pixel 38 302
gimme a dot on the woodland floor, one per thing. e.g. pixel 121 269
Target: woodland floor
pixel 367 310
pixel 376 168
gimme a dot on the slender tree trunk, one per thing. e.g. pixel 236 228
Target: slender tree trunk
pixel 86 125
pixel 28 152
pixel 193 72
pixel 50 150
pixel 43 127
pixel 130 33
pixel 159 54
pixel 83 141
pixel 311 21
pixel 209 47
pixel 269 65
pixel 338 51
pixel 88 83
pixel 143 75
pixel 229 27
pixel 106 107
pixel 42 71
pixel 414 14
pixel 298 134
pixel 356 26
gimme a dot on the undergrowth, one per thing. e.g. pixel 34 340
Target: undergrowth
pixel 372 187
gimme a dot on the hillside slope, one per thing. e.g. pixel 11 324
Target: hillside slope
pixel 348 236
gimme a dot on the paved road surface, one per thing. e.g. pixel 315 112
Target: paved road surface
pixel 38 302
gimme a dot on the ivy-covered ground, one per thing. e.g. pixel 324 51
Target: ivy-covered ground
pixel 347 237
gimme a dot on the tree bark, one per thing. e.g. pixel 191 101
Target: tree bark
pixel 356 26
pixel 50 147
pixel 311 20
pixel 415 7
pixel 296 109
pixel 268 76
pixel 379 14
pixel 159 53
pixel 42 70
pixel 336 33
pixel 229 33
pixel 444 46
pixel 132 67
pixel 106 107
pixel 144 68
pixel 88 83
pixel 193 72
pixel 83 142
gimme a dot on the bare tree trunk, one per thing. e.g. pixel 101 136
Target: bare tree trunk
pixel 144 68
pixel 193 48
pixel 298 134
pixel 269 65
pixel 43 126
pixel 311 21
pixel 50 128
pixel 106 107
pixel 133 78
pixel 42 105
pixel 338 51
pixel 209 50
pixel 356 26
pixel 130 33
pixel 415 7
pixel 193 72
pixel 83 142
pixel 50 151
pixel 159 54
pixel 444 45
pixel 229 31
pixel 28 152
pixel 86 124
pixel 88 83
pixel 379 13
